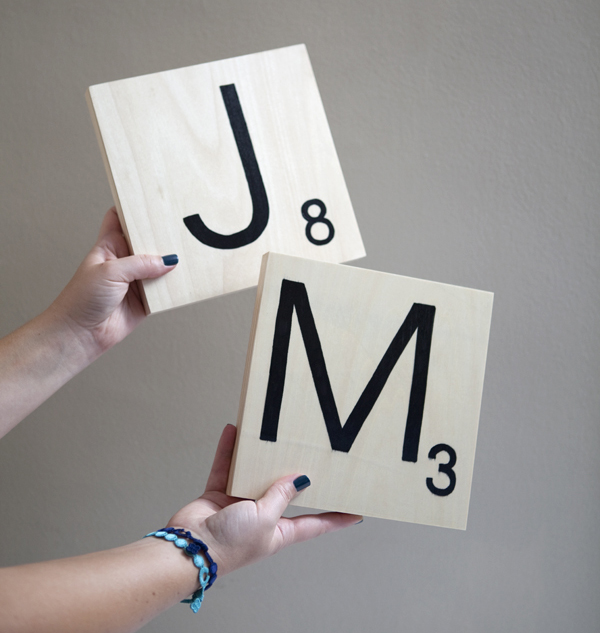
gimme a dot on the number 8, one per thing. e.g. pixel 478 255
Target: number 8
pixel 312 220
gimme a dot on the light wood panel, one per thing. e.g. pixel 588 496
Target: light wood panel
pixel 404 357
pixel 239 147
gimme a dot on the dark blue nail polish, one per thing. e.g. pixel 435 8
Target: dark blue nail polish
pixel 170 260
pixel 301 482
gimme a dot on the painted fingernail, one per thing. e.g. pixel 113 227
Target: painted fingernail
pixel 302 482
pixel 359 522
pixel 170 260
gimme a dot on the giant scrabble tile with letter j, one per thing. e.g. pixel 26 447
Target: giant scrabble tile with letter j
pixel 220 163
pixel 367 382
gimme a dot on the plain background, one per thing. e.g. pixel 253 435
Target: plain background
pixel 468 132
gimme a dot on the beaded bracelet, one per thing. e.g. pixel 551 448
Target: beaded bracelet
pixel 196 549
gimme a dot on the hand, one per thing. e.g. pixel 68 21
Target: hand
pixel 101 303
pixel 99 307
pixel 239 532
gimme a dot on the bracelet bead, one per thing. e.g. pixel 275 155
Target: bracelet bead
pixel 198 552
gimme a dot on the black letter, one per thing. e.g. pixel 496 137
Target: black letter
pixel 260 203
pixel 420 318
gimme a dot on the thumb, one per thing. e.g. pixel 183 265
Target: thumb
pixel 278 496
pixel 135 267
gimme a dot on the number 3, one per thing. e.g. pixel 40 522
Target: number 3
pixel 443 468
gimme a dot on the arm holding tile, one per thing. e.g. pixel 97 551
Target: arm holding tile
pixel 98 308
pixel 121 589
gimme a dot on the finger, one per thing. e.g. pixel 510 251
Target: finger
pixel 137 267
pixel 111 238
pixel 115 243
pixel 109 224
pixel 307 526
pixel 278 496
pixel 219 473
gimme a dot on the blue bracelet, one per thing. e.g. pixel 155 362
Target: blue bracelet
pixel 196 549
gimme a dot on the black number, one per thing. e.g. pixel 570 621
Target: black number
pixel 443 468
pixel 260 202
pixel 312 220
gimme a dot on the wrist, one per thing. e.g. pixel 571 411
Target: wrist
pixel 202 532
pixel 35 361
pixel 172 566
pixel 74 347
pixel 197 551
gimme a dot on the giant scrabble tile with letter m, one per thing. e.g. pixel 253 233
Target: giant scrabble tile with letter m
pixel 220 163
pixel 367 382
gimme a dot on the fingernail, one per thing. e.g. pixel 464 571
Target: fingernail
pixel 359 522
pixel 302 482
pixel 170 260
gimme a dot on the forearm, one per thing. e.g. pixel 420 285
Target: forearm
pixel 98 308
pixel 35 361
pixel 117 590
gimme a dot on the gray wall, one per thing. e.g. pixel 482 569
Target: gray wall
pixel 468 131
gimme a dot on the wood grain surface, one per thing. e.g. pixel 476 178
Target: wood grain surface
pixel 359 316
pixel 184 143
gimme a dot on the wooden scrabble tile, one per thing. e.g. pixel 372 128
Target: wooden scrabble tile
pixel 220 163
pixel 367 382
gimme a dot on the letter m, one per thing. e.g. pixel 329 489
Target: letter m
pixel 419 319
